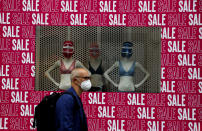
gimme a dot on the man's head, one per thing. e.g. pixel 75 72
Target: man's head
pixel 80 79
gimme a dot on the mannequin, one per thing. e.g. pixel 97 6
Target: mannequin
pixel 126 70
pixel 95 66
pixel 65 65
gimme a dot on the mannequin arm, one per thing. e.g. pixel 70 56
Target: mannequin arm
pixel 143 70
pixel 47 73
pixel 108 71
pixel 86 64
pixel 106 83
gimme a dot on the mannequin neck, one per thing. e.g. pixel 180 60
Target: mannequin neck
pixel 93 59
pixel 68 59
pixel 125 59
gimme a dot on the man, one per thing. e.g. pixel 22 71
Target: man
pixel 69 109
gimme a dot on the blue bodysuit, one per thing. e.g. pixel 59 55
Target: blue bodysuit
pixel 130 72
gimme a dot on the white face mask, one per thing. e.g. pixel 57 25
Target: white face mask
pixel 86 85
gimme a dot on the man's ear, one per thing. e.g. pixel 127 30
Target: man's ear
pixel 75 80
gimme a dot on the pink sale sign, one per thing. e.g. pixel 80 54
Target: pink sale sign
pixel 145 59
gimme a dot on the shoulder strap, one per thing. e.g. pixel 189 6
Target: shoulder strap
pixel 134 64
pixel 121 67
pixel 71 67
pixel 91 68
pixel 62 66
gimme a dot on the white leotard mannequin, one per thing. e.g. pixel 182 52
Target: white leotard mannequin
pixel 65 82
pixel 66 65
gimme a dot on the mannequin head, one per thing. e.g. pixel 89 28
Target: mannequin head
pixel 126 50
pixel 94 50
pixel 68 49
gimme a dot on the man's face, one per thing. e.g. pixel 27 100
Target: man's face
pixel 83 76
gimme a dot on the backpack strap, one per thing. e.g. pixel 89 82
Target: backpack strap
pixel 34 123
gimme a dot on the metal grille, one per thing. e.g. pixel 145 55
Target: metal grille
pixel 146 50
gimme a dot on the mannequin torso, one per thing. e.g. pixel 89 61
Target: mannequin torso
pixel 95 67
pixel 126 72
pixel 66 66
pixel 126 81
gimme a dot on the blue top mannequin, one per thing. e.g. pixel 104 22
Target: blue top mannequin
pixel 126 70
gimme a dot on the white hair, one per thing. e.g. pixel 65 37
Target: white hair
pixel 76 72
